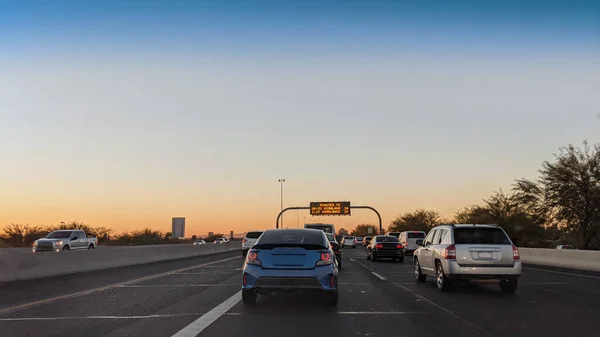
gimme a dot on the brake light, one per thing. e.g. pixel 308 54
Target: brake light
pixel 244 240
pixel 325 259
pixel 399 246
pixel 252 258
pixel 516 255
pixel 244 279
pixel 450 253
pixel 379 246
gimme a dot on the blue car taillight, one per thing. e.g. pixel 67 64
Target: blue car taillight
pixel 325 259
pixel 252 258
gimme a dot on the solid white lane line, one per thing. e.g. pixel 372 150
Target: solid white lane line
pixel 199 325
pixel 112 286
pixel 563 273
pixel 378 276
pixel 89 317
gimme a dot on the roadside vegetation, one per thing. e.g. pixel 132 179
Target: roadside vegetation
pixel 560 206
pixel 23 235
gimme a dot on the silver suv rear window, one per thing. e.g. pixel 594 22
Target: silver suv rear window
pixel 416 236
pixel 480 236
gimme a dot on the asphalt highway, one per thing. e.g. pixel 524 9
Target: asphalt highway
pixel 200 297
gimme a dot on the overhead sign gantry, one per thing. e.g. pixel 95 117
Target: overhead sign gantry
pixel 331 208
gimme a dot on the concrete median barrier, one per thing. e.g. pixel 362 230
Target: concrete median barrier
pixel 562 258
pixel 17 266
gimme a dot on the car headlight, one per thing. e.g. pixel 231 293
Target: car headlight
pixel 59 243
pixel 35 243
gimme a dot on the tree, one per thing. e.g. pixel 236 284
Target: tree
pixel 568 190
pixel 506 211
pixel 363 230
pixel 17 235
pixel 419 220
pixel 194 237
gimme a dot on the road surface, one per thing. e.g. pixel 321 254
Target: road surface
pixel 200 296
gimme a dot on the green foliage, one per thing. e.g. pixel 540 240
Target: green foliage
pixel 567 193
pixel 363 230
pixel 419 220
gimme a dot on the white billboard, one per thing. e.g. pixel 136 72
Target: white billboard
pixel 178 228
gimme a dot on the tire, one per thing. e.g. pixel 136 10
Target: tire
pixel 368 256
pixel 509 285
pixel 443 283
pixel 248 297
pixel 66 248
pixel 373 257
pixel 91 246
pixel 419 276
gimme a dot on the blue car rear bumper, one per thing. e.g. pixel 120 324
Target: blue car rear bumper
pixel 324 278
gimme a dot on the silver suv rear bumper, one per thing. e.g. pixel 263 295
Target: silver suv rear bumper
pixel 455 271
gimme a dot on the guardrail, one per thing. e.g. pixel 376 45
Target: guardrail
pixel 17 266
pixel 562 258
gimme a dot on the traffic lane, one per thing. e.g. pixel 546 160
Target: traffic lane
pixel 543 302
pixel 367 306
pixel 143 308
pixel 21 292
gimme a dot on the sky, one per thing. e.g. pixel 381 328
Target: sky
pixel 128 113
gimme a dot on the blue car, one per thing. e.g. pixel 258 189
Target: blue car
pixel 289 260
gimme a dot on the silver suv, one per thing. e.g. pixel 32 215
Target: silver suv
pixel 249 241
pixel 454 253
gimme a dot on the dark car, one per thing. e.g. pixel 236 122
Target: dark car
pixel 385 247
pixel 290 260
pixel 337 249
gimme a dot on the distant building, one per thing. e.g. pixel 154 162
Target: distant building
pixel 343 231
pixel 211 233
pixel 231 235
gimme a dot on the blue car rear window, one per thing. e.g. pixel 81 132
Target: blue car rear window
pixel 293 237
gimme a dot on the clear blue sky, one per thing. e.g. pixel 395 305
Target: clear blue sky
pixel 126 113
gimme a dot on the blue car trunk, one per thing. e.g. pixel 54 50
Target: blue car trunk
pixel 289 258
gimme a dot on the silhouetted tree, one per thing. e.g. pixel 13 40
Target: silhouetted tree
pixel 419 220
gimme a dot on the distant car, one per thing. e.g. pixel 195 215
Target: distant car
pixel 396 234
pixel 348 241
pixel 327 228
pixel 565 247
pixel 61 240
pixel 249 241
pixel 199 242
pixel 455 253
pixel 385 247
pixel 367 240
pixel 290 259
pixel 409 240
pixel 221 240
pixel 337 249
pixel 359 240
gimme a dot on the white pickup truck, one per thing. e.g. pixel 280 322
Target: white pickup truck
pixel 65 240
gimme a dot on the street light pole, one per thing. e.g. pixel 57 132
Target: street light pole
pixel 281 181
